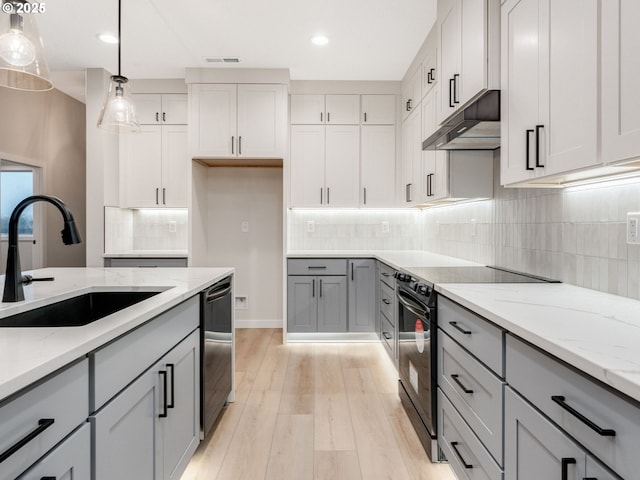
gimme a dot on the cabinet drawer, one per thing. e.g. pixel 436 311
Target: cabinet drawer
pixel 145 262
pixel 116 365
pixel 467 457
pixel 388 336
pixel 538 377
pixel 474 390
pixel 317 266
pixel 63 398
pixel 69 460
pixel 386 275
pixel 478 336
pixel 387 302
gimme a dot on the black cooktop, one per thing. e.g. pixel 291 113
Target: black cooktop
pixel 437 275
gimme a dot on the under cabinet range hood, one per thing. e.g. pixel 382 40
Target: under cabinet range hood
pixel 476 127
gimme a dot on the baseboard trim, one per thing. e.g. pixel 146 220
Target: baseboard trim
pixel 258 323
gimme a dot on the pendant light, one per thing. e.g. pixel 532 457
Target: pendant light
pixel 22 62
pixel 118 113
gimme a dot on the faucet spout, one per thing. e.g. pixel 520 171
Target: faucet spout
pixel 13 290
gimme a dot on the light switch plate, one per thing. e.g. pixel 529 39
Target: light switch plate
pixel 384 228
pixel 633 221
pixel 244 226
pixel 311 226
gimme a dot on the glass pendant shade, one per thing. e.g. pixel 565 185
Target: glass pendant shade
pixel 22 62
pixel 118 113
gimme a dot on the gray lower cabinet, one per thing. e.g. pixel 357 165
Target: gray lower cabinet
pixel 536 449
pixel 151 429
pixel 362 289
pixel 317 303
pixel 147 262
pixel 71 459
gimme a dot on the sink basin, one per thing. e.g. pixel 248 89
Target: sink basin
pixel 76 311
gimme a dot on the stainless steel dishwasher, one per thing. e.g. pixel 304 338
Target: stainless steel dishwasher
pixel 216 351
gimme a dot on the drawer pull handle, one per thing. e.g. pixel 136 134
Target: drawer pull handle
pixel 43 424
pixel 565 467
pixel 385 274
pixel 48 478
pixel 170 366
pixel 317 267
pixel 386 335
pixel 605 432
pixel 163 373
pixel 386 302
pixel 466 465
pixel 464 389
pixel 459 328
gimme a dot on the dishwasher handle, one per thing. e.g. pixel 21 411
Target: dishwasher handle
pixel 217 291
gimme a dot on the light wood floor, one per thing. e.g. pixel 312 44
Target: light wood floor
pixel 312 411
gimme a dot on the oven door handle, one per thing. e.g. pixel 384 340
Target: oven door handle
pixel 411 305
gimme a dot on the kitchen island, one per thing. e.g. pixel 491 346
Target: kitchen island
pixel 129 381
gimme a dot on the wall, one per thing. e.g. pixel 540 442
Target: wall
pixel 47 129
pixel 253 195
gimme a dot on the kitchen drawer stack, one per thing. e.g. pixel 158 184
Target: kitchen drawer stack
pixel 470 392
pixel 387 309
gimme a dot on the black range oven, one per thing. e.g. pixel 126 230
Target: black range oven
pixel 417 335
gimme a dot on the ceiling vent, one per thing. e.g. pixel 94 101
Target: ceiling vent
pixel 222 60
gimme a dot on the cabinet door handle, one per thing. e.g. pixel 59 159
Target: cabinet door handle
pixel 157 196
pixel 455 378
pixel 365 195
pixel 171 366
pixel 313 288
pixel 320 117
pixel 565 467
pixel 408 106
pixel 431 184
pixel 328 117
pixel 604 432
pixel 164 196
pixel 317 267
pixel 158 117
pixel 328 201
pixel 459 328
pixel 466 465
pixel 408 192
pixel 432 78
pixel 43 424
pixel 164 117
pixel 451 87
pixel 387 335
pixel 386 301
pixel 538 128
pixel 240 145
pixel 455 88
pixel 163 374
pixel 233 140
pixel 365 117
pixel 528 147
pixel 320 288
pixel 352 276
pixel 321 191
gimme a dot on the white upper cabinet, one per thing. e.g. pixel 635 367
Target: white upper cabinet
pixel 237 121
pixel 342 160
pixel 411 168
pixel 411 92
pixel 430 62
pixel 325 109
pixel 307 165
pixel 378 110
pixel 377 165
pixel 165 108
pixel 620 81
pixel 550 88
pixel 468 52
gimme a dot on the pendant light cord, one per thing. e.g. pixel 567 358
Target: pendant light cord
pixel 119 34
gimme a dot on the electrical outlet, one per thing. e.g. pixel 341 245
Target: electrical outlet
pixel 244 226
pixel 384 227
pixel 242 302
pixel 474 228
pixel 311 226
pixel 633 220
pixel 173 226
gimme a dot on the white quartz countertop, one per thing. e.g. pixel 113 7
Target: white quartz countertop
pixel 28 354
pixel 596 332
pixel 148 254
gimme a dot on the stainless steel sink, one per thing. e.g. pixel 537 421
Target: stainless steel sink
pixel 76 311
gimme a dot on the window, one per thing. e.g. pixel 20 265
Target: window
pixel 15 185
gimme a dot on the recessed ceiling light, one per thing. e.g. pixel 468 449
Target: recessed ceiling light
pixel 107 38
pixel 319 40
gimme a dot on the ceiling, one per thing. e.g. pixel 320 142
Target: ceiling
pixel 369 39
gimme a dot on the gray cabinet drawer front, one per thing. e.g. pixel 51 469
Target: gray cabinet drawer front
pixel 116 365
pixel 483 339
pixel 386 275
pixel 482 402
pixel 64 398
pixel 317 266
pixel 145 262
pixel 69 460
pixel 538 377
pixel 388 336
pixel 466 446
pixel 387 302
